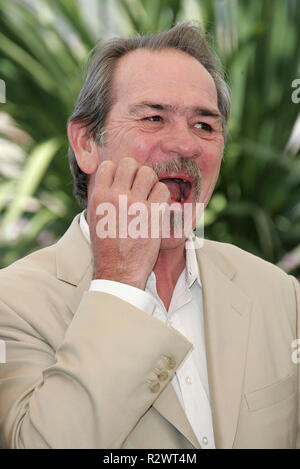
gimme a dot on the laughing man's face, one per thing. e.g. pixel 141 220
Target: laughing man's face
pixel 165 111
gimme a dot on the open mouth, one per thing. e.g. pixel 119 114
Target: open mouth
pixel 180 188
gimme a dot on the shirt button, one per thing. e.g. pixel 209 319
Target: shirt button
pixel 154 386
pixel 188 380
pixel 205 440
pixel 163 375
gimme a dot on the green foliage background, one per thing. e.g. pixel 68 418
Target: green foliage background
pixel 43 49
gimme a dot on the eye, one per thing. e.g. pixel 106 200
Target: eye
pixel 153 118
pixel 203 126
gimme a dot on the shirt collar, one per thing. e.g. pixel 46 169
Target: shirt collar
pixel 85 227
pixel 192 273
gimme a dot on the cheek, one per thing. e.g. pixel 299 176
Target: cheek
pixel 141 147
pixel 131 143
pixel 210 165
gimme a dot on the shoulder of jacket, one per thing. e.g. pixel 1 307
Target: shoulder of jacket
pixel 37 264
pixel 242 260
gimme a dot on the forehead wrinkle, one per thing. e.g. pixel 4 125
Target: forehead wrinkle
pixel 195 110
pixel 144 105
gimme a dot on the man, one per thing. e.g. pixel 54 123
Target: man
pixel 154 341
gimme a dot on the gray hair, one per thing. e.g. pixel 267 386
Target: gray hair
pixel 95 98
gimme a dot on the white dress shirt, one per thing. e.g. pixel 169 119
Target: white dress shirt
pixel 186 315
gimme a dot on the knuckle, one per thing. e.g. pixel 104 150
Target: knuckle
pixel 148 172
pixel 114 195
pixel 130 162
pixel 163 188
pixel 107 164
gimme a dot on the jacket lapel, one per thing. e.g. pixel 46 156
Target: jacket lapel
pixel 227 320
pixel 168 405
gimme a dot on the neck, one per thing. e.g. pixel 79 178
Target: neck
pixel 169 265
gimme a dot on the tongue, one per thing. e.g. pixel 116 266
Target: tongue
pixel 174 188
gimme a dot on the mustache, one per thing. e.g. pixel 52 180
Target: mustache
pixel 179 165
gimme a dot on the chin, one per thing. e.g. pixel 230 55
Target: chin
pixel 171 243
pixel 176 227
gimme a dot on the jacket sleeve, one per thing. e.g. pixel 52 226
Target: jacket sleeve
pixel 92 390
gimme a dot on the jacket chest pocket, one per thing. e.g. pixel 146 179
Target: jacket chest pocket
pixel 268 417
pixel 272 394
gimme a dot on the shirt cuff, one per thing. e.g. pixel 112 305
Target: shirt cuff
pixel 135 296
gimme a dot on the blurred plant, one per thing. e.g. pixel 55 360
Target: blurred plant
pixel 43 47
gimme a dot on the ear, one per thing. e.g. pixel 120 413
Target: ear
pixel 84 146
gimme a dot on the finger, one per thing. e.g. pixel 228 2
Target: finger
pixel 143 183
pixel 101 186
pixel 105 174
pixel 125 174
pixel 159 193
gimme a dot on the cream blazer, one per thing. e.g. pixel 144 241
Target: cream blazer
pixel 83 369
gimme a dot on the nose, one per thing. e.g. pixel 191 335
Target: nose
pixel 180 139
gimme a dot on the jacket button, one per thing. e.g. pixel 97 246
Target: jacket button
pixel 154 386
pixel 163 375
pixel 171 363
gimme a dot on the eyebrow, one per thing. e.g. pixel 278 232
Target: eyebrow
pixel 196 110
